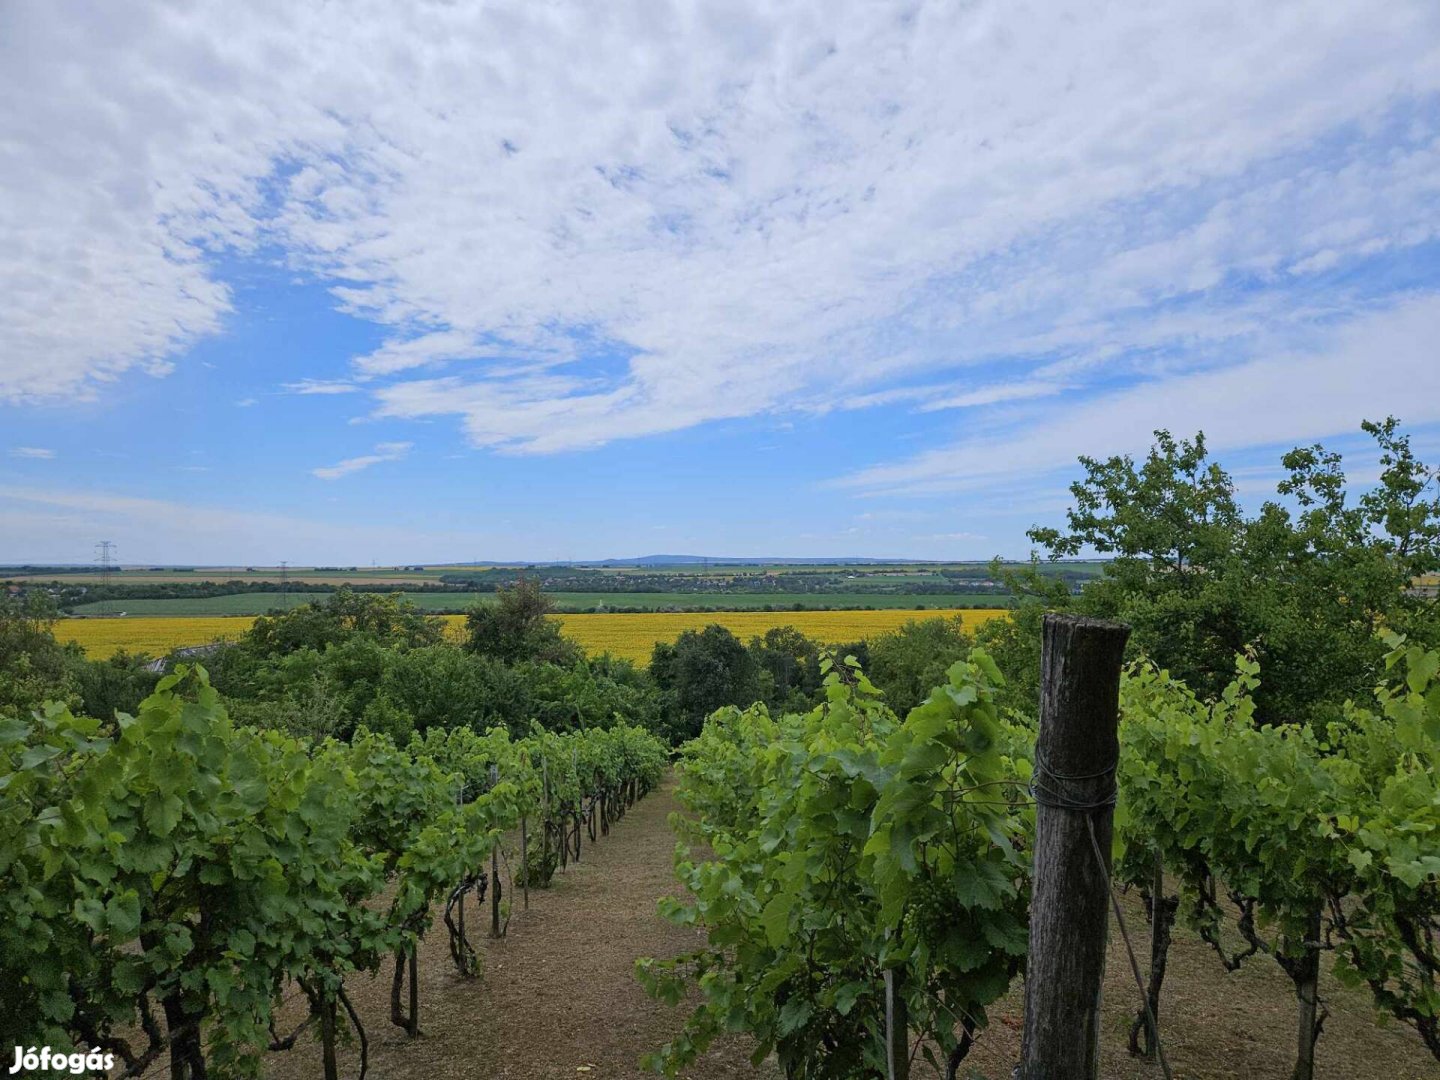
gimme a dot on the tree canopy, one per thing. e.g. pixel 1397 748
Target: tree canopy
pixel 517 626
pixel 1307 581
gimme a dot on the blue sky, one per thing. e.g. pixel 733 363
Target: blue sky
pixel 517 281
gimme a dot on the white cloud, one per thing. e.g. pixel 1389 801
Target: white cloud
pixel 37 452
pixel 991 395
pixel 386 451
pixel 1381 364
pixel 321 386
pixel 245 403
pixel 580 223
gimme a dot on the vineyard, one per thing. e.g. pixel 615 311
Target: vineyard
pixel 197 897
pixel 173 879
pixel 915 853
pixel 851 867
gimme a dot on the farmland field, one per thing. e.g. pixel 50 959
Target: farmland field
pixel 632 636
pixel 156 637
pixel 133 576
pixel 259 603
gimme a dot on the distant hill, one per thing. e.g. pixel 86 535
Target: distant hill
pixel 696 560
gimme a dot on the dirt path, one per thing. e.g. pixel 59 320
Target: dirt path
pixel 561 987
pixel 557 997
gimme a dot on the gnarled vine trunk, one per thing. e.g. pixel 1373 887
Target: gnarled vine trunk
pixel 1162 922
pixel 410 1023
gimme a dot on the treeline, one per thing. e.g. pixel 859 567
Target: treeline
pixel 710 590
pixel 978 579
pixel 353 659
pixel 68 594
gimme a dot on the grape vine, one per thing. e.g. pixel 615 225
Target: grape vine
pixel 169 878
pixel 847 844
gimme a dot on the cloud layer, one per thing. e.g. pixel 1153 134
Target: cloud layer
pixel 580 223
pixel 389 451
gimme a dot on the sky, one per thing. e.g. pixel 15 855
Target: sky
pixel 437 282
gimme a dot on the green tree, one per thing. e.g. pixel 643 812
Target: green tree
pixel 119 683
pixel 517 627
pixel 387 617
pixel 788 664
pixel 1171 528
pixel 589 694
pixel 442 687
pixel 1306 585
pixel 34 667
pixel 700 672
pixel 908 662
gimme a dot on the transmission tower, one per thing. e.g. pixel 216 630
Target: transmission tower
pixel 105 556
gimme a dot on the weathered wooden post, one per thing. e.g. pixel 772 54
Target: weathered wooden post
pixel 544 813
pixel 495 869
pixel 459 803
pixel 327 1036
pixel 525 862
pixel 897 1028
pixel 414 1030
pixel 1074 784
pixel 575 763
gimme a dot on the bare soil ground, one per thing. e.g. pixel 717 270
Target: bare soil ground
pixel 1217 1025
pixel 557 997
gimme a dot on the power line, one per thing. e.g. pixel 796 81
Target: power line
pixel 105 556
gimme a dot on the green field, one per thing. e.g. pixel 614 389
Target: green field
pixel 260 603
pixel 401 575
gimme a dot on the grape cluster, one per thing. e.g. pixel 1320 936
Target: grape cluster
pixel 930 909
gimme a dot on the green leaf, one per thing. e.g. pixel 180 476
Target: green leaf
pixel 776 918
pixel 35 756
pixel 122 914
pixel 793 1015
pixel 846 995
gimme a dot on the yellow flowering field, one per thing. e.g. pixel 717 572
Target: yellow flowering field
pixel 155 636
pixel 633 636
pixel 628 635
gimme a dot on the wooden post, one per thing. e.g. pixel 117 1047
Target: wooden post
pixel 1074 783
pixel 327 1036
pixel 459 802
pixel 897 1029
pixel 544 811
pixel 415 990
pixel 525 863
pixel 575 764
pixel 1306 973
pixel 495 868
